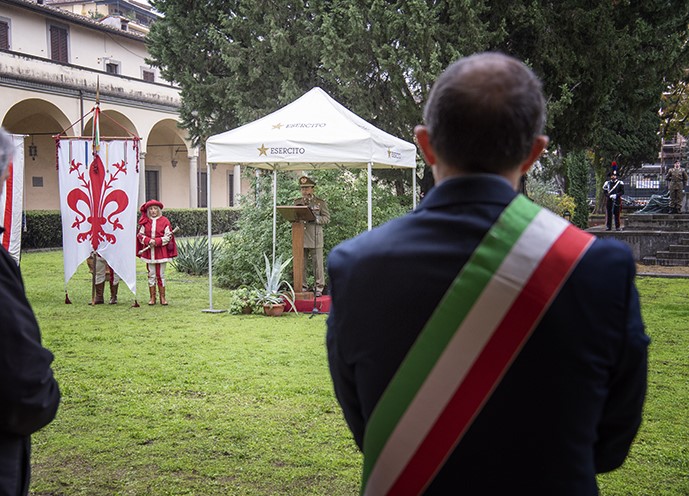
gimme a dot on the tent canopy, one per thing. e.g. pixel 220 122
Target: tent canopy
pixel 313 132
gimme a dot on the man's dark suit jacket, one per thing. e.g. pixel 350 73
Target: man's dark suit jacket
pixel 569 406
pixel 29 395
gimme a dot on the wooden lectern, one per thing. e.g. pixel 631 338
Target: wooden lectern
pixel 297 215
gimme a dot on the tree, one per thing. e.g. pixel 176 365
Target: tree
pixel 603 64
pixel 235 61
pixel 577 171
pixel 674 111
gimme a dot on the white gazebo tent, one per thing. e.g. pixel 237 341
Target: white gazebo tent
pixel 313 132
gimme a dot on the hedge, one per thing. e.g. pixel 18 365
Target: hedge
pixel 43 228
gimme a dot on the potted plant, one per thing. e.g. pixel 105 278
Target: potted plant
pixel 243 301
pixel 272 296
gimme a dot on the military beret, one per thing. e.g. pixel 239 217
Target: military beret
pixel 306 181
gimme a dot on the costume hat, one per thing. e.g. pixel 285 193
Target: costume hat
pixel 150 203
pixel 614 167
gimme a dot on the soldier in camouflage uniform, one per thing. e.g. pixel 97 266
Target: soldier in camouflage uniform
pixel 313 232
pixel 677 180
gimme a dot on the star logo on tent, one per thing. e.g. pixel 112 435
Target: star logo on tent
pixel 393 154
pixel 262 150
pixel 277 126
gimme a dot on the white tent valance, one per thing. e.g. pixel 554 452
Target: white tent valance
pixel 312 132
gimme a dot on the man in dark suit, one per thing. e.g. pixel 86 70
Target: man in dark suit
pixel 29 395
pixel 568 402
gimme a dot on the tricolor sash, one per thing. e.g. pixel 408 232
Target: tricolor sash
pixel 467 346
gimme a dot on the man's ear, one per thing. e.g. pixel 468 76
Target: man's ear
pixel 423 139
pixel 539 144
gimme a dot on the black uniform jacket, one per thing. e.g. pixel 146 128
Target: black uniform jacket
pixel 29 394
pixel 569 406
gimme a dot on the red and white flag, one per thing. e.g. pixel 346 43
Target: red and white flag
pixel 98 202
pixel 12 201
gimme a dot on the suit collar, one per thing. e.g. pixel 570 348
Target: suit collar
pixel 474 188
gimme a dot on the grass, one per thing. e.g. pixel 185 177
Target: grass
pixel 174 401
pixel 659 460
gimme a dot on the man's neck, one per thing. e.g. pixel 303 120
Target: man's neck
pixel 443 173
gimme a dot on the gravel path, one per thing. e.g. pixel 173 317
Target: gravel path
pixel 661 271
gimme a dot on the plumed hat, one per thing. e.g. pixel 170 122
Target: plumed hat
pixel 613 166
pixel 306 181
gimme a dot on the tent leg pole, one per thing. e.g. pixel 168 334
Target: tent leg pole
pixel 210 242
pixel 413 188
pixel 370 197
pixel 275 203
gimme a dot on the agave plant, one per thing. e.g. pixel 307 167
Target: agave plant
pixel 192 255
pixel 273 283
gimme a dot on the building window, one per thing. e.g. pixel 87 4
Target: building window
pixel 152 184
pixel 149 76
pixel 4 34
pixel 37 181
pixel 58 43
pixel 230 188
pixel 112 67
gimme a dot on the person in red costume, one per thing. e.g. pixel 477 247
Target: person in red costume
pixel 155 244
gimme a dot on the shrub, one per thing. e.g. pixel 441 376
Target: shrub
pixel 44 227
pixel 192 257
pixel 543 193
pixel 578 174
pixel 244 301
pixel 346 194
pixel 194 221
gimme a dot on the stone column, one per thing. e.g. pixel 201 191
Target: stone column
pixel 237 179
pixel 142 178
pixel 194 177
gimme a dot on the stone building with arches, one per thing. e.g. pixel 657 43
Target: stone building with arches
pixel 52 63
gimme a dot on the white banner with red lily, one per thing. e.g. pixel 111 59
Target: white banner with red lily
pixel 98 202
pixel 12 201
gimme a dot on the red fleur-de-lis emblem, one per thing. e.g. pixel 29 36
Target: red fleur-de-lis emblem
pixel 96 192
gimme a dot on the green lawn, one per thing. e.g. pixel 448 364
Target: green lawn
pixel 171 400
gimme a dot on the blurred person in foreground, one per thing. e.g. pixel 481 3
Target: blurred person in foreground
pixel 501 350
pixel 29 394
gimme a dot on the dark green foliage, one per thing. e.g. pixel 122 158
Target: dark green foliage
pixel 44 227
pixel 578 180
pixel 346 194
pixel 194 221
pixel 243 301
pixel 604 65
pixel 245 246
pixel 192 256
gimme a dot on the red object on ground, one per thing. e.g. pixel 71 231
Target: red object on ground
pixel 306 306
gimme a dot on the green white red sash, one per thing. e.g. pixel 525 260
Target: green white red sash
pixel 467 345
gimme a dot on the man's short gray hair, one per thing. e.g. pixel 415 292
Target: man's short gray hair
pixel 6 149
pixel 484 113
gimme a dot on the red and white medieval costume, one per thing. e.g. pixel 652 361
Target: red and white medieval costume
pixel 159 230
